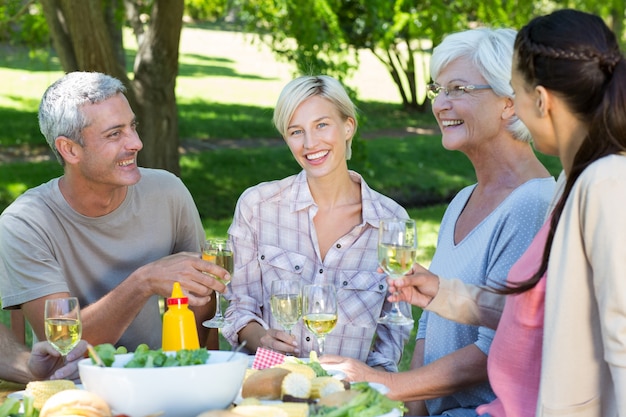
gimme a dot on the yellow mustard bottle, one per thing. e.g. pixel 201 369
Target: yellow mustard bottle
pixel 179 323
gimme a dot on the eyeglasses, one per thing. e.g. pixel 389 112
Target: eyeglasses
pixel 452 91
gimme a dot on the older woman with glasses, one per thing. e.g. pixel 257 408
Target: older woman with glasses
pixel 486 227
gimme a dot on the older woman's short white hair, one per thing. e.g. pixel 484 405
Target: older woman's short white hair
pixel 304 87
pixel 491 52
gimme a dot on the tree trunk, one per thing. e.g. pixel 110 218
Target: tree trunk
pixel 156 68
pixel 61 41
pixel 84 42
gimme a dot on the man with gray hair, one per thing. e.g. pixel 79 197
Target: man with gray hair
pixel 108 232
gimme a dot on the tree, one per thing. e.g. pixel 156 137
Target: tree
pixel 326 35
pixel 86 36
pixel 329 33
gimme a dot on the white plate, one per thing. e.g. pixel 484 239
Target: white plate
pixel 379 387
pixel 18 395
pixel 336 373
pixel 393 413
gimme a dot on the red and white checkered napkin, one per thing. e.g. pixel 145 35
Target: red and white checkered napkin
pixel 266 358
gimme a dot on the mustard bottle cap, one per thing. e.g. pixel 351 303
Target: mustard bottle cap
pixel 177 297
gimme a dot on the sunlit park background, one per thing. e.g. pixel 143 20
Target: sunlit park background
pixel 226 87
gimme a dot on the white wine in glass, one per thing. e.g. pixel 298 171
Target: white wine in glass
pixel 397 251
pixel 319 311
pixel 286 302
pixel 62 322
pixel 220 252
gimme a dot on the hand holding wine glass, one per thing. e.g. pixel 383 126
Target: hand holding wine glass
pixel 286 302
pixel 220 252
pixel 319 311
pixel 397 250
pixel 63 324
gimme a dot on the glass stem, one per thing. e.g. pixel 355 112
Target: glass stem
pixel 320 343
pixel 218 307
pixel 395 306
pixel 395 309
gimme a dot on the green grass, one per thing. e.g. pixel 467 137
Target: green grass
pixel 223 93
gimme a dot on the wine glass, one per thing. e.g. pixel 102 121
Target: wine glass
pixel 220 252
pixel 286 302
pixel 319 310
pixel 397 251
pixel 63 325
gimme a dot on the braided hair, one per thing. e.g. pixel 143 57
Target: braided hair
pixel 577 57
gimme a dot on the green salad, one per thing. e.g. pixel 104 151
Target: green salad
pixel 144 357
pixel 368 403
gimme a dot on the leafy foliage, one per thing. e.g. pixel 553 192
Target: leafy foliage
pixel 205 10
pixel 23 23
pixel 400 33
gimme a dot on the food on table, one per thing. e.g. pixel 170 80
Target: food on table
pixel 313 363
pixel 361 400
pixel 338 399
pixel 265 384
pixel 42 390
pixel 300 368
pixel 75 403
pixel 321 386
pixel 296 385
pixel 107 352
pixel 294 409
pixel 179 391
pixel 144 357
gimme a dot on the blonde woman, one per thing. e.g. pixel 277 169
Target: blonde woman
pixel 317 226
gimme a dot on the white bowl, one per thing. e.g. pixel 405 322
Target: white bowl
pixel 182 391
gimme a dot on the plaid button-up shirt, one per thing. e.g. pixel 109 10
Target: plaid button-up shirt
pixel 274 238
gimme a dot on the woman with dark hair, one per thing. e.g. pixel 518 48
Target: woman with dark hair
pixel 560 347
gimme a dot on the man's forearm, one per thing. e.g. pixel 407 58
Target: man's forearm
pixel 14 358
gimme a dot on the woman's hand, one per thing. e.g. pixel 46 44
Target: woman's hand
pixel 354 369
pixel 280 341
pixel 418 287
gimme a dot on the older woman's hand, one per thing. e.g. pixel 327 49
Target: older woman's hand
pixel 354 369
pixel 418 287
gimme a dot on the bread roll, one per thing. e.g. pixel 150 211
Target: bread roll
pixel 75 403
pixel 264 384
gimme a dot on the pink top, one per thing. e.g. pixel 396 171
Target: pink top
pixel 514 362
